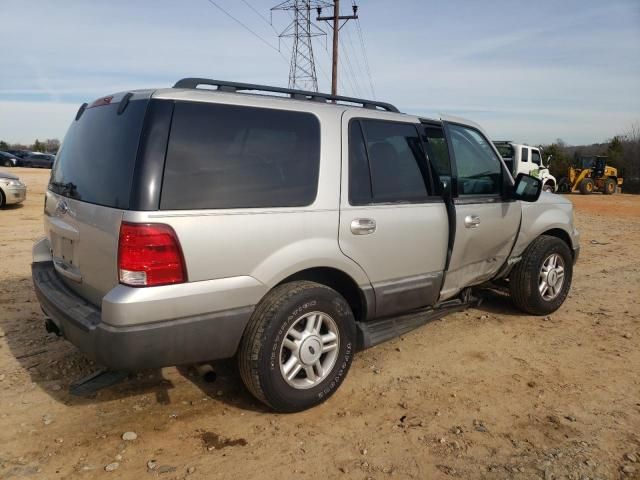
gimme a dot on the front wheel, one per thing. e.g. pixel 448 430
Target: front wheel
pixel 540 282
pixel 548 188
pixel 8 163
pixel 586 186
pixel 298 346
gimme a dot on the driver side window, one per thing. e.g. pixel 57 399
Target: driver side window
pixel 479 169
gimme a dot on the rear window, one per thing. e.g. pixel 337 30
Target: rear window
pixel 96 161
pixel 224 156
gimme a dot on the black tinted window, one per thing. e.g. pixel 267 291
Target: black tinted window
pixel 224 156
pixel 359 178
pixel 437 151
pixel 396 161
pixel 535 157
pixel 525 155
pixel 97 158
pixel 479 168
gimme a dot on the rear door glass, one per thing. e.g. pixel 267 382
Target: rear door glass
pixel 96 161
pixel 226 156
pixel 396 161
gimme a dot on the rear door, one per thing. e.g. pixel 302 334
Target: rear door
pixel 486 225
pixel 90 188
pixel 391 222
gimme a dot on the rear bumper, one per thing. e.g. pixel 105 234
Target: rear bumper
pixel 181 341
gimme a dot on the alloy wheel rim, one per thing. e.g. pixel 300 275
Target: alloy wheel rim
pixel 551 277
pixel 309 350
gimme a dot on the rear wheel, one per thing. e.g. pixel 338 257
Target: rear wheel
pixel 540 282
pixel 610 186
pixel 548 188
pixel 298 346
pixel 2 200
pixel 586 186
pixel 8 163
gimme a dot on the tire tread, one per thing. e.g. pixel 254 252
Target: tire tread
pixel 521 281
pixel 253 340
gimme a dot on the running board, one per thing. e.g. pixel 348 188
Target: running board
pixel 378 331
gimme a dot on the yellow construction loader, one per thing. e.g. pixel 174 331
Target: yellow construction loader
pixel 591 174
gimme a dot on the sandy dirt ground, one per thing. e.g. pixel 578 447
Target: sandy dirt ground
pixel 487 393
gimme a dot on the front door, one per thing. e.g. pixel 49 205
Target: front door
pixel 486 224
pixel 391 222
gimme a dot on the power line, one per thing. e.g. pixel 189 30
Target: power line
pixel 247 28
pixel 358 69
pixel 350 75
pixel 366 60
pixel 259 14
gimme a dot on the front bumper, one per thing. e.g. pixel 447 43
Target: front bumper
pixel 182 341
pixel 15 194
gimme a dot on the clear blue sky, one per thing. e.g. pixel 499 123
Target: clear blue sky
pixel 528 71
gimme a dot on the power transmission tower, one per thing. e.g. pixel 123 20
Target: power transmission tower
pixel 334 20
pixel 302 70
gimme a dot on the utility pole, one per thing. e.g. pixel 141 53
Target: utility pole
pixel 302 69
pixel 334 22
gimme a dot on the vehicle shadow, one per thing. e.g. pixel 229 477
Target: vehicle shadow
pixel 54 364
pixel 497 302
pixel 13 206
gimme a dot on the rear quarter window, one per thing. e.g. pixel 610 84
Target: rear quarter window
pixel 225 156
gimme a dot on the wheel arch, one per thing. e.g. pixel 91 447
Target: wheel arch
pixel 360 300
pixel 562 235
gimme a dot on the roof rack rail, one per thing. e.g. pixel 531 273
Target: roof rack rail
pixel 224 86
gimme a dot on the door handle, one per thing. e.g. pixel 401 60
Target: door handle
pixel 471 221
pixel 363 226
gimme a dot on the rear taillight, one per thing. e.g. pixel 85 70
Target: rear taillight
pixel 149 254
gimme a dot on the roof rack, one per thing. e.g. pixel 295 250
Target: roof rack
pixel 296 94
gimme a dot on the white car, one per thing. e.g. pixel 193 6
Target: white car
pixel 526 159
pixel 12 190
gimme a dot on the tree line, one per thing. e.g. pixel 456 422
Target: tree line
pixel 50 145
pixel 623 152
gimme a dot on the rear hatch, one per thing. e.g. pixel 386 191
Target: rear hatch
pixel 90 188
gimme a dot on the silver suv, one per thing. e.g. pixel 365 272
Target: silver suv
pixel 286 228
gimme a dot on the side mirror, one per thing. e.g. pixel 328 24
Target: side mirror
pixel 527 188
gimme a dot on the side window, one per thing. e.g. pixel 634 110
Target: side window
pixel 359 178
pixel 437 151
pixel 479 168
pixel 525 155
pixel 535 157
pixel 396 161
pixel 224 156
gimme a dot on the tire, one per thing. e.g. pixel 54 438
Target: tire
pixel 263 352
pixel 526 277
pixel 609 186
pixel 2 199
pixel 563 186
pixel 8 163
pixel 587 186
pixel 547 187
